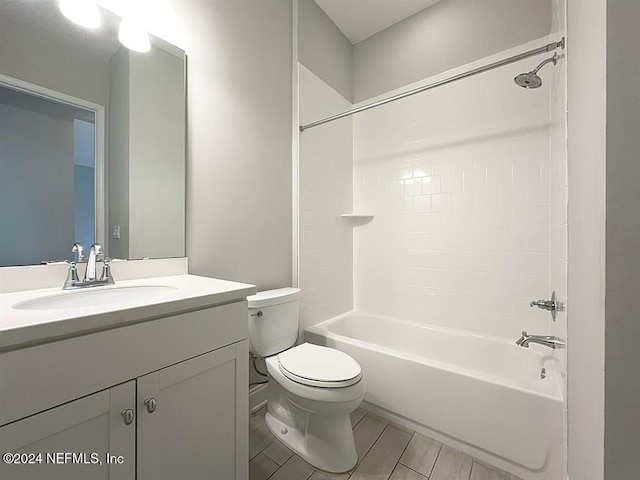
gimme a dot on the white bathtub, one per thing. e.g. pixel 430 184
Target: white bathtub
pixel 469 390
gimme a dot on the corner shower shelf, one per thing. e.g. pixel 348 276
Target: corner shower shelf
pixel 358 218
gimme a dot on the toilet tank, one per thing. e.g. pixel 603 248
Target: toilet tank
pixel 273 321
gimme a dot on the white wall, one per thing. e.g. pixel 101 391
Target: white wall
pixel 586 94
pixel 324 49
pixel 444 36
pixel 458 181
pixel 326 191
pixel 239 140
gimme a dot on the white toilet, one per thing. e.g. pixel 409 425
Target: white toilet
pixel 312 389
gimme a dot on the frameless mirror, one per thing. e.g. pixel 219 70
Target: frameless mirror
pixel 92 139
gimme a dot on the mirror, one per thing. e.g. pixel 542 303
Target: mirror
pixel 92 139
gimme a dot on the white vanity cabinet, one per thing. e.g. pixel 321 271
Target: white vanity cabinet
pixel 167 395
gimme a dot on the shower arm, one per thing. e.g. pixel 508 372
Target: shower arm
pixel 516 58
pixel 553 59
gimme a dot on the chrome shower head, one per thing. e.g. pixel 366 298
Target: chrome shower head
pixel 531 79
pixel 528 80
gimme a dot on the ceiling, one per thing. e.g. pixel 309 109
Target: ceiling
pixel 359 19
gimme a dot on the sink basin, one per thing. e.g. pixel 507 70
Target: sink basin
pixel 94 296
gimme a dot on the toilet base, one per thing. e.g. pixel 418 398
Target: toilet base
pixel 326 442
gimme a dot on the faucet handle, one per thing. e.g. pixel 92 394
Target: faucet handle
pixel 78 250
pixel 72 276
pixel 106 272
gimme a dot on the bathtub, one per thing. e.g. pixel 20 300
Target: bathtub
pixel 480 394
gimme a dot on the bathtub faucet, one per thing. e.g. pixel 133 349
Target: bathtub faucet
pixel 548 341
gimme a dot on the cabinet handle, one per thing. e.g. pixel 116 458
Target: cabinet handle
pixel 151 404
pixel 127 416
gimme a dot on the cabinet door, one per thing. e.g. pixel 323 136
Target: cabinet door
pixel 86 430
pixel 198 429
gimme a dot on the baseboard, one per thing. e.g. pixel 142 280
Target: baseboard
pixel 482 455
pixel 257 397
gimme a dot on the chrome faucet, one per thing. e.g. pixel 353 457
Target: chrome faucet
pixel 546 340
pixel 91 279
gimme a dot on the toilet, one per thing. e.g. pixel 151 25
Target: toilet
pixel 312 389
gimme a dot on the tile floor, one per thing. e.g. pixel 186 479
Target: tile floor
pixel 385 451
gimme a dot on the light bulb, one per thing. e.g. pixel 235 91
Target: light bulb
pixel 134 36
pixel 82 12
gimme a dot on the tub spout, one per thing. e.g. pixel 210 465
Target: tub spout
pixel 546 340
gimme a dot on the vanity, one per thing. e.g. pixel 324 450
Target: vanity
pixel 145 379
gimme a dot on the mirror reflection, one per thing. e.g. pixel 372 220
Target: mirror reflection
pixel 92 137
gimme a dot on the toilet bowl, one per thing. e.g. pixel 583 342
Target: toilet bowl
pixel 312 389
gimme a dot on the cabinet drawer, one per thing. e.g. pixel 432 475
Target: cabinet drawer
pixel 36 378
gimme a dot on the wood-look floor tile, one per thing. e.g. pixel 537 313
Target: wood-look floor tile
pixel 278 452
pixel 367 432
pixel 259 440
pixel 357 415
pixel 483 472
pixel 385 451
pixel 383 456
pixel 295 469
pixel 403 473
pixel 421 454
pixel 320 475
pixel 261 467
pixel 452 465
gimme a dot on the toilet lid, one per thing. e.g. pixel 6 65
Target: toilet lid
pixel 318 366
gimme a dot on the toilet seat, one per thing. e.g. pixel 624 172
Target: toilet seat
pixel 317 366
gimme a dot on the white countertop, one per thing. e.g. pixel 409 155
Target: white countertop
pixel 22 328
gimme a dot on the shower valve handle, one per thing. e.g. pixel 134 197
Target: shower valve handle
pixel 553 305
pixel 544 304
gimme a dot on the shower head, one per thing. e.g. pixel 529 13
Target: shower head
pixel 528 80
pixel 531 79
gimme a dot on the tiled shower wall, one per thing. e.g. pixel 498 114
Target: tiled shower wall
pixel 326 191
pixel 458 181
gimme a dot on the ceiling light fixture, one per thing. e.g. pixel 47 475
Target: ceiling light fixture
pixel 82 12
pixel 133 35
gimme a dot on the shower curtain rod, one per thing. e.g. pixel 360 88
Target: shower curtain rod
pixel 536 51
